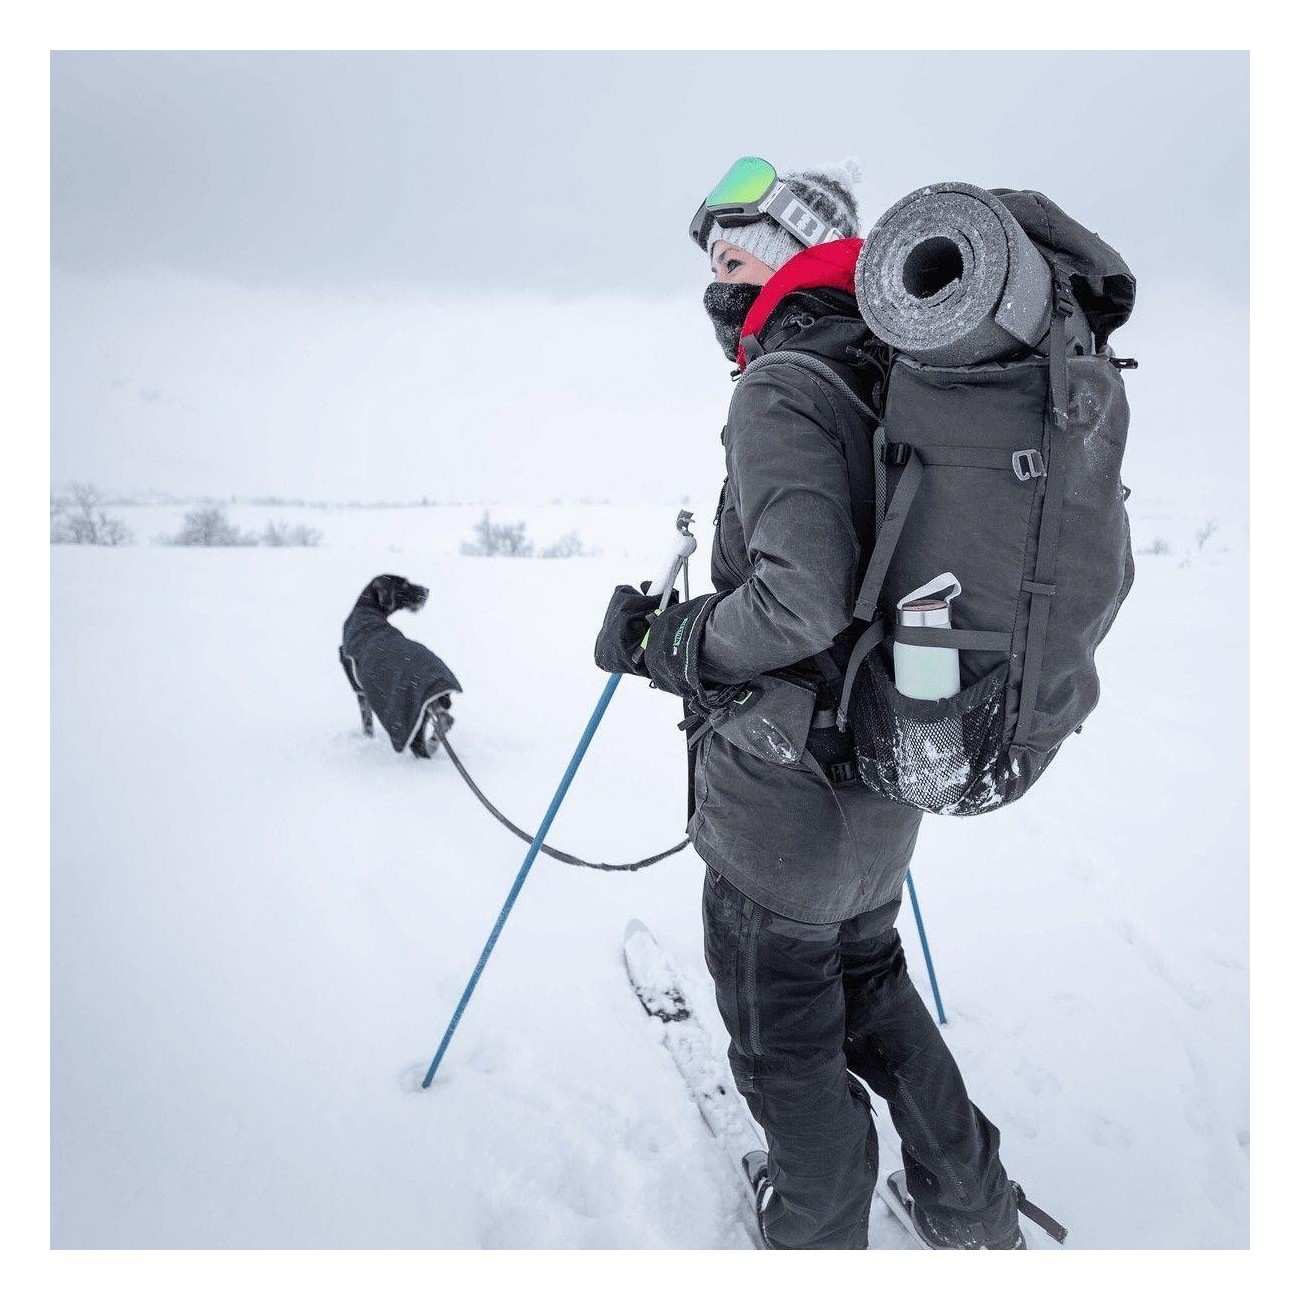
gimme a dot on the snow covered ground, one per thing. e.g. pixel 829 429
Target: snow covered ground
pixel 262 920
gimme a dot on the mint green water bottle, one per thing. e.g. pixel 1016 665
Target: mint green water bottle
pixel 925 672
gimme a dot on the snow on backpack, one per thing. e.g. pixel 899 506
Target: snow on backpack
pixel 997 461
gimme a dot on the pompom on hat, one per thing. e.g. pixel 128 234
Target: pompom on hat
pixel 828 191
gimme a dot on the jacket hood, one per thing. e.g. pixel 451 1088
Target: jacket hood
pixel 824 266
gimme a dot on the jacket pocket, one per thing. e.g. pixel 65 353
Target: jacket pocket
pixel 770 719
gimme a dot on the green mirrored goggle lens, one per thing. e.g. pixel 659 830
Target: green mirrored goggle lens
pixel 746 181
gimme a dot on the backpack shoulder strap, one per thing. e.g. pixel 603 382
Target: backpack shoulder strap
pixel 814 365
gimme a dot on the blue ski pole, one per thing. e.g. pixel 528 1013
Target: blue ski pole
pixel 925 948
pixel 683 547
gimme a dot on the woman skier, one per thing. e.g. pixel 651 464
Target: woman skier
pixel 804 865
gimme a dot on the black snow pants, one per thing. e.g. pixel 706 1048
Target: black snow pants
pixel 804 1005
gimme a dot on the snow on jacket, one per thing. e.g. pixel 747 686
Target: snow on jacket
pixel 791 542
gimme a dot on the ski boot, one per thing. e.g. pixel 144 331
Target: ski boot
pixel 929 1234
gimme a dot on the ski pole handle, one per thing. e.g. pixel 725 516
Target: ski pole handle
pixel 683 549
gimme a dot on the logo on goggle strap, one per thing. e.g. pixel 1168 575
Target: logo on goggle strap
pixel 804 220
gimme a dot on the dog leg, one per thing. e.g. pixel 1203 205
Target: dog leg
pixel 350 672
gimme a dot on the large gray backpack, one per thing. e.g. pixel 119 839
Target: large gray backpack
pixel 998 460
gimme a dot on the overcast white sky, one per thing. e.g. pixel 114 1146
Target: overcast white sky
pixel 261 261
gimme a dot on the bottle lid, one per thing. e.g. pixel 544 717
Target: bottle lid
pixel 924 613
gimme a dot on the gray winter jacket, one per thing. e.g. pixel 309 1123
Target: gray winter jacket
pixel 791 543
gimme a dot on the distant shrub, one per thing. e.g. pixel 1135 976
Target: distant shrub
pixel 566 548
pixel 280 534
pixel 208 526
pixel 82 521
pixel 1158 546
pixel 498 539
pixel 1205 532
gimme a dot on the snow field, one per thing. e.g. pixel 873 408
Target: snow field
pixel 262 920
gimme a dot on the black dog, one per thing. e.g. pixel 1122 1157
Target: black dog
pixel 405 683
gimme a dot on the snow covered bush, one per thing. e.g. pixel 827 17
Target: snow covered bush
pixel 280 534
pixel 82 520
pixel 498 539
pixel 208 526
pixel 567 547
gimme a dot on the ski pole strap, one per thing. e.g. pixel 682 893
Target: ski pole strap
pixel 557 854
pixel 1039 1216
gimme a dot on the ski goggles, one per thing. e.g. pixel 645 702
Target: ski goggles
pixel 750 191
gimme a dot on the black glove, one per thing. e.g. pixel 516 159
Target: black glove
pixel 672 651
pixel 630 613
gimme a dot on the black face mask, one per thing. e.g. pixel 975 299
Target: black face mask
pixel 727 306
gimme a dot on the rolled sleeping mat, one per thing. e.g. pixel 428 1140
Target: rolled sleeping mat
pixel 949 277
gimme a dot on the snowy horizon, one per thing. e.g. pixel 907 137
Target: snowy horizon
pixel 191 388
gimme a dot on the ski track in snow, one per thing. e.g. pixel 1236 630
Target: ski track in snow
pixel 262 920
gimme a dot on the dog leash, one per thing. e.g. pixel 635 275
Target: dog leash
pixel 557 854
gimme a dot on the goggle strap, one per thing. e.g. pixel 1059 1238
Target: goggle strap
pixel 786 208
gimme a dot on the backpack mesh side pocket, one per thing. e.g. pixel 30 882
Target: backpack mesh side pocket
pixel 939 755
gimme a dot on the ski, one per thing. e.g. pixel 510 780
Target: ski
pixel 703 1068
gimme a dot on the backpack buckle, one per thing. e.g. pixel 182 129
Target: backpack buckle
pixel 1061 301
pixel 1028 464
pixel 896 454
